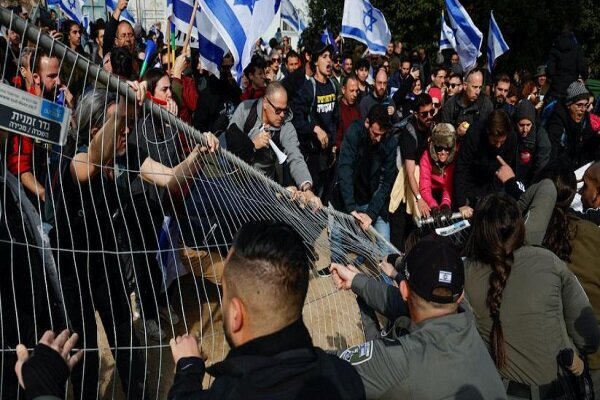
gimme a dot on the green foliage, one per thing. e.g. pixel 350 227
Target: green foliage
pixel 529 27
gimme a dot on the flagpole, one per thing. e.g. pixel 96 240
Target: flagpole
pixel 188 35
pixel 168 41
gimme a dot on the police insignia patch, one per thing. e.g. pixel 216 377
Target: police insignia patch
pixel 358 354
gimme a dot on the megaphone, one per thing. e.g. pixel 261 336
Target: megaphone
pixel 281 156
pixel 150 48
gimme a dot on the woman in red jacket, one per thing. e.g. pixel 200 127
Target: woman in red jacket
pixel 437 169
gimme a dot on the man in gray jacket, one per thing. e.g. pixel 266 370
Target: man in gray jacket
pixel 442 355
pixel 267 122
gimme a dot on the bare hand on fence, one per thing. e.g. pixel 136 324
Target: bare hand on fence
pixel 466 212
pixel 363 220
pixel 184 346
pixel 312 200
pixel 424 208
pixel 62 344
pixel 140 89
pixel 343 275
pixel 212 142
pixel 505 172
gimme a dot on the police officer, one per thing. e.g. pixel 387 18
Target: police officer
pixel 442 343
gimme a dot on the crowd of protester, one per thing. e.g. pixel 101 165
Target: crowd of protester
pixel 389 139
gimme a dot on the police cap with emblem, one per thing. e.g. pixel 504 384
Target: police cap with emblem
pixel 433 263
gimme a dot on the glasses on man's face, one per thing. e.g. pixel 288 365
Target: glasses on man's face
pixel 437 105
pixel 425 114
pixel 581 106
pixel 439 149
pixel 126 35
pixel 453 85
pixel 278 110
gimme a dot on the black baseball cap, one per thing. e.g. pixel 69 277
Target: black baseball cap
pixel 434 262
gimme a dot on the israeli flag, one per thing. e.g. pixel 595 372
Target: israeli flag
pixel 447 40
pixel 363 22
pixel 181 14
pixel 291 16
pixel 211 45
pixel 468 37
pixel 496 43
pixel 73 9
pixel 240 23
pixel 125 14
pixel 327 38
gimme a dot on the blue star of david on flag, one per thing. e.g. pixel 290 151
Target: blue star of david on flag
pixel 369 19
pixel 72 9
pixel 365 23
pixel 247 3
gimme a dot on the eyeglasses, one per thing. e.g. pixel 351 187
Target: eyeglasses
pixel 453 85
pixel 439 149
pixel 276 60
pixel 581 105
pixel 126 35
pixel 278 110
pixel 424 114
pixel 437 105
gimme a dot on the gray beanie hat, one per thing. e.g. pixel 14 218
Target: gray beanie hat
pixel 575 92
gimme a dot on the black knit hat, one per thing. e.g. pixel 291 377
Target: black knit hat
pixel 525 110
pixel 575 92
pixel 434 262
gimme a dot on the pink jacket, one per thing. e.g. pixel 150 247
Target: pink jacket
pixel 429 182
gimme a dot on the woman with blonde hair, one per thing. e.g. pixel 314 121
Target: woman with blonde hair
pixel 436 177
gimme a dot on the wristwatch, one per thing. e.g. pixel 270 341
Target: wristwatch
pixel 418 197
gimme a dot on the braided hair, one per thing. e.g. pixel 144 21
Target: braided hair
pixel 498 230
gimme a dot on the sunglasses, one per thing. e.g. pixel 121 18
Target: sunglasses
pixel 278 110
pixel 453 85
pixel 437 105
pixel 276 60
pixel 424 114
pixel 439 149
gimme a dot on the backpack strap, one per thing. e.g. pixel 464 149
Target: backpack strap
pixel 251 119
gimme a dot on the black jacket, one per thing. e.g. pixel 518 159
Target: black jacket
pixel 381 175
pixel 475 174
pixel 565 64
pixel 577 141
pixel 283 365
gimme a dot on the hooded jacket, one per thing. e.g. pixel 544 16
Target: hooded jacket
pixel 565 64
pixel 476 167
pixel 533 151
